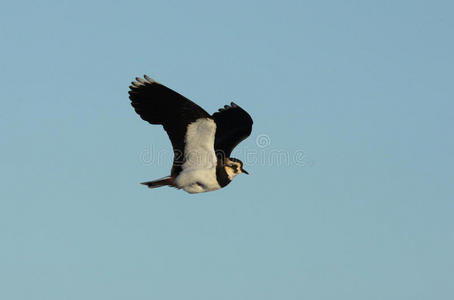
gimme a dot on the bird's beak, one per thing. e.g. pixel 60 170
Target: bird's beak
pixel 244 171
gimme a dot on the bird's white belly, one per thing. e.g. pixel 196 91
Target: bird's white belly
pixel 197 181
pixel 198 172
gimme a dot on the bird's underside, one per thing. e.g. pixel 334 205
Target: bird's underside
pixel 202 143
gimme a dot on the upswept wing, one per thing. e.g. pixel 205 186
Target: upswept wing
pixel 157 104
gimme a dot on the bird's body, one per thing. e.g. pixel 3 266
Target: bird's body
pixel 202 143
pixel 199 168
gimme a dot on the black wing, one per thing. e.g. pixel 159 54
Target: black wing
pixel 233 124
pixel 158 104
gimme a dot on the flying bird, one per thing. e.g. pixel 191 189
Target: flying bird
pixel 202 143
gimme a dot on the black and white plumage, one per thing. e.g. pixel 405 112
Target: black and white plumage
pixel 202 143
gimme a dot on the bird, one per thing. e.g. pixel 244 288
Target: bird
pixel 202 143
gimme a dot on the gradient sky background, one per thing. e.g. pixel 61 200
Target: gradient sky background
pixel 356 97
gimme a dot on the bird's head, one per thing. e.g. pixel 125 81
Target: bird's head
pixel 233 167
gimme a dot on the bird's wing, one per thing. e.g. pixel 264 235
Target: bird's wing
pixel 233 124
pixel 157 104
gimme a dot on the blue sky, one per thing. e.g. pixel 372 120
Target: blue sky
pixel 350 194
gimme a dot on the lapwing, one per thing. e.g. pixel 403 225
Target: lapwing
pixel 202 143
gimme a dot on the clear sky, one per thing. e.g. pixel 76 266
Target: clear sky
pixel 350 192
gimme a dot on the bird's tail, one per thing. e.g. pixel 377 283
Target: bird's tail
pixel 168 180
